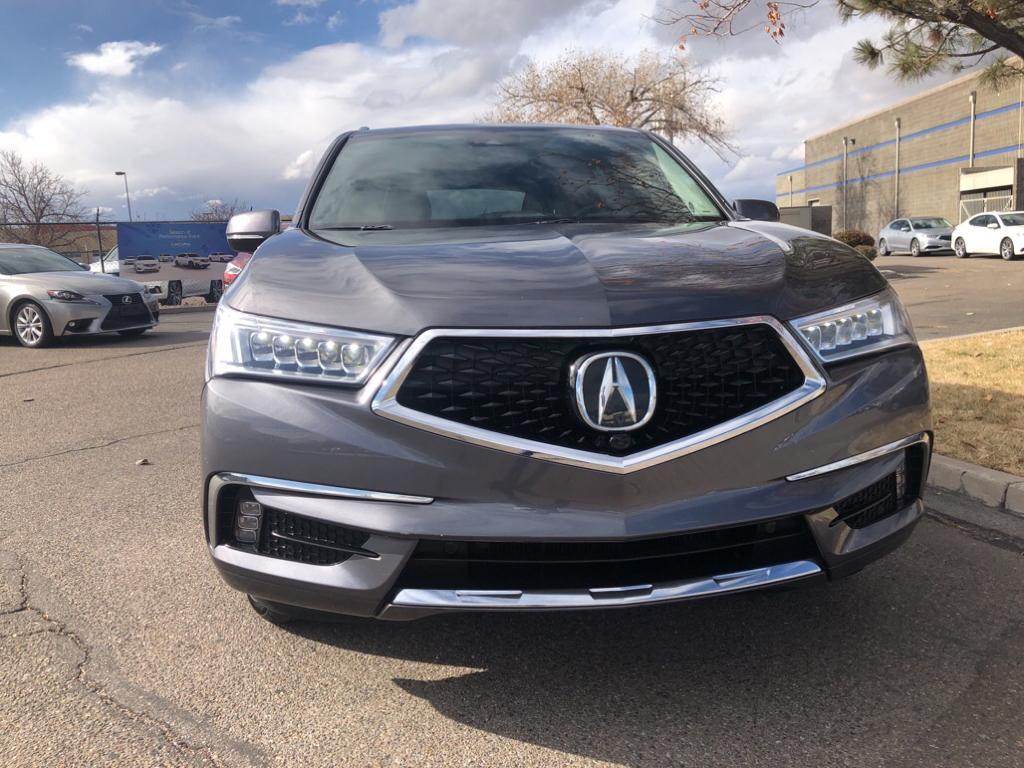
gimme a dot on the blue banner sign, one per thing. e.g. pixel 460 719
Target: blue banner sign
pixel 171 237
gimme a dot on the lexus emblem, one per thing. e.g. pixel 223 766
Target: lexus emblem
pixel 126 299
pixel 615 391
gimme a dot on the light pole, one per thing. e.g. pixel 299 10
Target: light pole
pixel 847 143
pixel 127 198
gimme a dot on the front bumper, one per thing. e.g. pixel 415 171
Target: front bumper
pixel 74 318
pixel 438 489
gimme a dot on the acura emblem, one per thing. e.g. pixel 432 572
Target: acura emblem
pixel 126 299
pixel 615 391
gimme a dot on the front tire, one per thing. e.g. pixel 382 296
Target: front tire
pixel 960 249
pixel 31 325
pixel 1006 250
pixel 915 248
pixel 883 248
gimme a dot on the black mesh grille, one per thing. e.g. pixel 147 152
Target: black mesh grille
pixel 586 564
pixel 124 315
pixel 520 387
pixel 276 521
pixel 869 505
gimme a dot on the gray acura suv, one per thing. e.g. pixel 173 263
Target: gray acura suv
pixel 543 367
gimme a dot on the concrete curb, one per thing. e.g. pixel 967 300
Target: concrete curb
pixel 995 489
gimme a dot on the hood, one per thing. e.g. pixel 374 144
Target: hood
pixel 86 283
pixel 934 231
pixel 549 276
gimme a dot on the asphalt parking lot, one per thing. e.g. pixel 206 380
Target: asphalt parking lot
pixel 947 296
pixel 119 645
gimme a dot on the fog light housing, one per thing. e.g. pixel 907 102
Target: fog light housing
pixel 248 519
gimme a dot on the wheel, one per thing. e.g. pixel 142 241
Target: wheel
pixel 275 613
pixel 960 249
pixel 173 294
pixel 31 325
pixel 883 247
pixel 216 291
pixel 915 248
pixel 1006 250
pixel 133 332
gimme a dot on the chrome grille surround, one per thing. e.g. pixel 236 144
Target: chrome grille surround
pixel 385 402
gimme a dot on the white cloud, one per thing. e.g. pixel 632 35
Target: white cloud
pixel 201 23
pixel 114 59
pixel 302 3
pixel 83 27
pixel 300 17
pixel 174 145
pixel 301 166
pixel 334 20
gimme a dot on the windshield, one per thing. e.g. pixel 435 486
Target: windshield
pixel 1012 219
pixel 475 176
pixel 930 223
pixel 33 258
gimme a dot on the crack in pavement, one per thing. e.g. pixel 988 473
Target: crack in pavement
pixel 979 532
pixel 53 626
pixel 98 446
pixel 104 359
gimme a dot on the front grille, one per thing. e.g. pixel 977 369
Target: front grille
pixel 582 565
pixel 520 386
pixel 122 315
pixel 869 505
pixel 296 527
pixel 946 238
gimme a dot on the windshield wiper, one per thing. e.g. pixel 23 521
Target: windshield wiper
pixel 361 228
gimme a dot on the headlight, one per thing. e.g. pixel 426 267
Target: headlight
pixel 65 295
pixel 250 345
pixel 856 329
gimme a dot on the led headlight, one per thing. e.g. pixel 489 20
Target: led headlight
pixel 249 345
pixel 859 328
pixel 65 295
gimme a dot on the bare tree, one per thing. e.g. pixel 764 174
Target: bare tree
pixel 218 210
pixel 37 206
pixel 664 94
pixel 923 35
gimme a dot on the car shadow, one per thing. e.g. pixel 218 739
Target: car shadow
pixel 626 686
pixel 150 340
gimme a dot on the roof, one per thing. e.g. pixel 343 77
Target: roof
pixel 496 127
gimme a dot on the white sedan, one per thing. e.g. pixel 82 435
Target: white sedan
pixel 1001 234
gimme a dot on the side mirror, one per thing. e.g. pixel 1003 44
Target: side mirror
pixel 993 225
pixel 758 210
pixel 247 231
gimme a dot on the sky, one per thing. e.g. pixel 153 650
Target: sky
pixel 222 99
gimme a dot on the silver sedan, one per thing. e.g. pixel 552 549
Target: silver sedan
pixel 915 235
pixel 44 295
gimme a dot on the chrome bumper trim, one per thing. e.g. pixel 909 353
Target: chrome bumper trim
pixel 385 402
pixel 860 458
pixel 314 489
pixel 605 597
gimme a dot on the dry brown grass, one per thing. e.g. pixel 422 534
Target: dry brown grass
pixel 977 385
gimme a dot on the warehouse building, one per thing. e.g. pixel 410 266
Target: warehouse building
pixel 952 151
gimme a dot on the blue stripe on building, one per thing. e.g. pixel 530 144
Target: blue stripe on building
pixel 960 159
pixel 909 137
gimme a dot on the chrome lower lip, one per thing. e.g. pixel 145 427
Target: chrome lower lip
pixel 385 402
pixel 616 597
pixel 861 458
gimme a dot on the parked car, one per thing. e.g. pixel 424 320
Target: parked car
pixel 44 295
pixel 108 263
pixel 990 233
pixel 191 261
pixel 166 258
pixel 234 269
pixel 222 258
pixel 529 368
pixel 915 235
pixel 146 263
